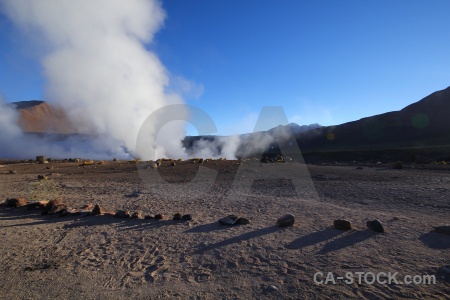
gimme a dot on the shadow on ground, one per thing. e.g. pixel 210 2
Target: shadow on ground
pixel 239 238
pixel 314 238
pixel 347 240
pixel 435 240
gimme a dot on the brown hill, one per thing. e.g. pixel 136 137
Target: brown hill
pixel 40 117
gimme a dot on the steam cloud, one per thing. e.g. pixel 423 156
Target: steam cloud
pixel 99 71
pixel 101 74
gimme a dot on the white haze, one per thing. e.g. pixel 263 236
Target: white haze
pixel 99 71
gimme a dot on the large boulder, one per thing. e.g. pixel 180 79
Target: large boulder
pixel 16 202
pixel 98 210
pixel 286 220
pixel 122 214
pixel 375 225
pixel 442 229
pixel 229 220
pixel 54 207
pixel 342 224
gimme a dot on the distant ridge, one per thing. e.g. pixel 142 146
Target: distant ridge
pixel 424 123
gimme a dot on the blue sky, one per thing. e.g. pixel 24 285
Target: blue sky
pixel 325 62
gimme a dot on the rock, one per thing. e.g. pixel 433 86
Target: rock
pixel 41 159
pixel 173 164
pixel 42 177
pixel 176 217
pixel 375 225
pixel 187 217
pixel 286 220
pixel 12 172
pixel 115 159
pixel 138 215
pixel 444 270
pixel 16 202
pixel 98 210
pixel 442 229
pixel 149 217
pixel 37 205
pixel 342 224
pixel 229 220
pixel 398 165
pixel 243 221
pixel 159 217
pixel 69 212
pixel 122 214
pixel 54 207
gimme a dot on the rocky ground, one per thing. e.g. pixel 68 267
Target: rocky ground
pixel 92 257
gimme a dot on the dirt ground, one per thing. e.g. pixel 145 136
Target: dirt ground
pixel 94 257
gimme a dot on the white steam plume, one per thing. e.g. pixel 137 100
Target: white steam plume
pixel 98 68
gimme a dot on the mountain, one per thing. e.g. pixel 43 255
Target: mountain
pixel 40 117
pixel 424 123
pixel 421 124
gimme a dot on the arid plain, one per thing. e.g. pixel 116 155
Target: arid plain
pixel 94 257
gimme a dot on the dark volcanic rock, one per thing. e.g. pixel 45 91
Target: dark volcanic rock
pixel 56 209
pixel 42 177
pixel 286 220
pixel 122 214
pixel 37 205
pixel 229 220
pixel 398 165
pixel 159 217
pixel 176 217
pixel 149 217
pixel 442 229
pixel 97 210
pixel 16 202
pixel 187 217
pixel 243 221
pixel 342 224
pixel 55 206
pixel 375 225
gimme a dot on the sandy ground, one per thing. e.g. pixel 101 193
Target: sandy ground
pixel 94 257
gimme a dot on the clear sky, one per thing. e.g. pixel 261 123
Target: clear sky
pixel 325 62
